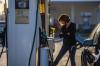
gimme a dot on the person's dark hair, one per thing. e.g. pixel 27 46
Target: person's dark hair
pixel 64 18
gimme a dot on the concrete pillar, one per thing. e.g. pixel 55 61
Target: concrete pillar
pixel 47 17
pixel 98 13
pixel 73 13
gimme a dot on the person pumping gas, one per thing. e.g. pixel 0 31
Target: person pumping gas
pixel 67 32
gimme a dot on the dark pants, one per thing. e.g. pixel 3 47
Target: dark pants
pixel 63 50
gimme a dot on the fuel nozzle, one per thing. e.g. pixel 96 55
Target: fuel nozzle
pixel 43 38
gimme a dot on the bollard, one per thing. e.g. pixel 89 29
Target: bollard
pixel 44 56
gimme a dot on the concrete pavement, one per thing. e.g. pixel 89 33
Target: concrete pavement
pixel 58 45
pixel 63 61
pixel 3 60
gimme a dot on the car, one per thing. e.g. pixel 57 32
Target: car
pixel 92 39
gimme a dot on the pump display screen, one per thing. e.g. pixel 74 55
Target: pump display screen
pixel 22 11
pixel 22 4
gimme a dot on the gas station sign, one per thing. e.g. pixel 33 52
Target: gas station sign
pixel 21 11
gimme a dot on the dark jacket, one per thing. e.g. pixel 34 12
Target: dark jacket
pixel 68 39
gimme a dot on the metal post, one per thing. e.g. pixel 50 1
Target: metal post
pixel 44 55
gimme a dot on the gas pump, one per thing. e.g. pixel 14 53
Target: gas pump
pixel 24 22
pixel 26 28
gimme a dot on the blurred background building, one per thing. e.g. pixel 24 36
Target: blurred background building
pixel 85 13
